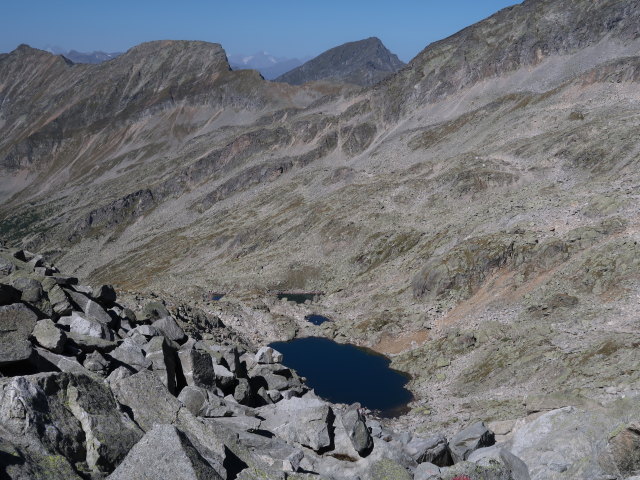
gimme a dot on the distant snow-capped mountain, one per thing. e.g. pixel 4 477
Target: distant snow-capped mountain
pixel 82 57
pixel 268 65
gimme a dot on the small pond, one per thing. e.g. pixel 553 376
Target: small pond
pixel 216 296
pixel 346 374
pixel 316 319
pixel 298 297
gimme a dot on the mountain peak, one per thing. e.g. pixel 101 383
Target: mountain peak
pixel 363 62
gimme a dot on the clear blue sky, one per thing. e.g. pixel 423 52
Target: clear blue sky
pixel 289 28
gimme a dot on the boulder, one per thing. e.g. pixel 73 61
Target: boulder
pixel 59 301
pixel 624 445
pixel 495 455
pixel 105 294
pixel 117 375
pixel 387 469
pixel 16 324
pixel 87 343
pixel 355 425
pixel 85 325
pixel 45 360
pixel 471 438
pixel 163 361
pixel 21 462
pixel 193 398
pixel 6 267
pixel 304 421
pixel 92 310
pixel 49 336
pixel 32 410
pixel 466 470
pixel 154 311
pixel 147 399
pixel 224 378
pixel 197 367
pixel 95 362
pixel 573 443
pixel 432 450
pixel 146 330
pixel 109 434
pixel 31 289
pixel 131 355
pixel 170 329
pixel 268 355
pixel 69 415
pixel 165 453
pixel 242 393
pixel 427 471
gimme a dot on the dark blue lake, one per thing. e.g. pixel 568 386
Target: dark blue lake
pixel 347 374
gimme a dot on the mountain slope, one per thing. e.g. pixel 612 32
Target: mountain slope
pixel 474 214
pixel 364 63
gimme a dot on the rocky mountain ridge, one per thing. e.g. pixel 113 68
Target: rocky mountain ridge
pixel 364 63
pixel 472 215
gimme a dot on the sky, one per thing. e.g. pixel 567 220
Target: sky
pixel 286 28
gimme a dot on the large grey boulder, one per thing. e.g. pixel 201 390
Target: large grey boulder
pixel 242 393
pixel 170 329
pixel 387 469
pixel 31 289
pixel 131 355
pixel 495 455
pixel 23 462
pixel 355 425
pixel 193 398
pixel 16 324
pixel 91 309
pixel 197 366
pixel 163 361
pixel 146 330
pixel 97 363
pixel 624 445
pixel 268 355
pixel 87 343
pixel 470 470
pixel 573 443
pixel 147 398
pixel 224 378
pixel 109 434
pixel 304 421
pixel 46 361
pixel 49 336
pixel 105 294
pixel 7 267
pixel 69 415
pixel 27 411
pixel 164 453
pixel 59 301
pixel 433 450
pixel 85 325
pixel 427 471
pixel 471 438
pixel 154 310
